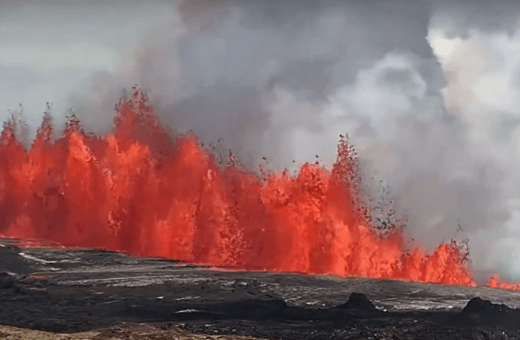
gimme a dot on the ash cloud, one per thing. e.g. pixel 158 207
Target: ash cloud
pixel 282 80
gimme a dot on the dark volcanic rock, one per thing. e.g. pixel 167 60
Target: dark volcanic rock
pixel 254 309
pixel 6 280
pixel 11 261
pixel 80 290
pixel 360 302
pixel 359 306
pixel 483 313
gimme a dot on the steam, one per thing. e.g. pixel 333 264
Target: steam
pixel 426 90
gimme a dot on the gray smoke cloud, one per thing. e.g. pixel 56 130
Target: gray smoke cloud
pixel 282 80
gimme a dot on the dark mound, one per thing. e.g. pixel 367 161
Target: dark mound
pixel 6 280
pixel 11 261
pixel 358 305
pixel 360 302
pixel 484 313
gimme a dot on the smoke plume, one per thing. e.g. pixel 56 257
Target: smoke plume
pixel 437 131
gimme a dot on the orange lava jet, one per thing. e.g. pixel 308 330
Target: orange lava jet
pixel 141 191
pixel 494 282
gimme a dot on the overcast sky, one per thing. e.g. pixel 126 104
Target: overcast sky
pixel 428 91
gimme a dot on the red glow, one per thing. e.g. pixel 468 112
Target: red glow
pixel 139 191
pixel 494 282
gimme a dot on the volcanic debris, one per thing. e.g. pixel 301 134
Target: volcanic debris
pixel 483 313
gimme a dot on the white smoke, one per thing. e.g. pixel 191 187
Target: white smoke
pixel 482 91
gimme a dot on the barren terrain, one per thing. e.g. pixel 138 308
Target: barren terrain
pixel 118 296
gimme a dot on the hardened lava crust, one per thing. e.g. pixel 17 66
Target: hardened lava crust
pixel 78 290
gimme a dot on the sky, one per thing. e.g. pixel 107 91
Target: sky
pixel 427 90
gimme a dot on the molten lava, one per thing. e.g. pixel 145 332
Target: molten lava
pixel 141 191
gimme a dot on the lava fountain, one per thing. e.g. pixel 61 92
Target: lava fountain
pixel 142 191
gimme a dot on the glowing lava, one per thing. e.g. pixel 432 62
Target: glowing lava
pixel 141 191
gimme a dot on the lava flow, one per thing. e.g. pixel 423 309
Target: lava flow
pixel 142 191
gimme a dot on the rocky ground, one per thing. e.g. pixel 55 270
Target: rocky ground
pixel 126 332
pixel 118 296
